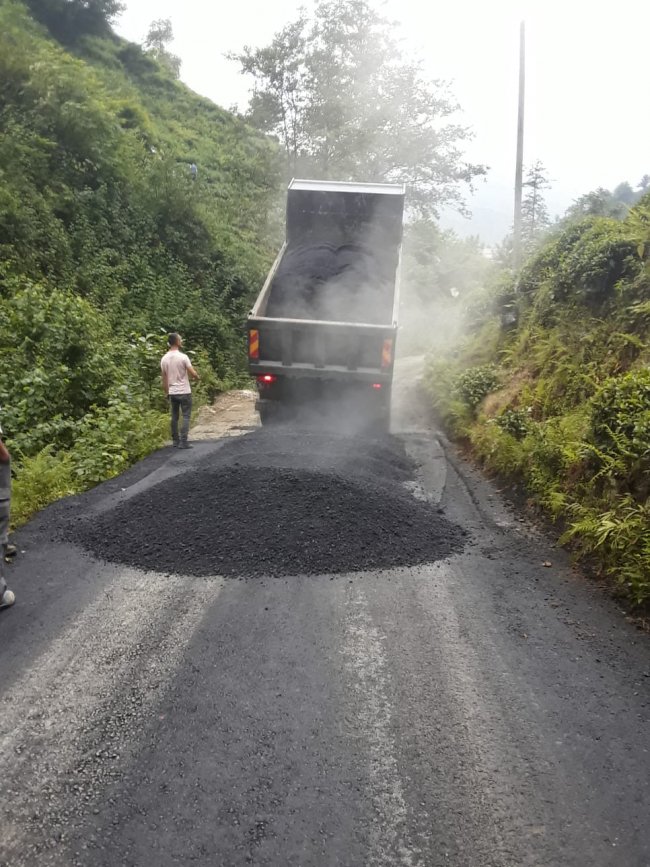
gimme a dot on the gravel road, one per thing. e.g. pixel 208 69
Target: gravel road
pixel 438 698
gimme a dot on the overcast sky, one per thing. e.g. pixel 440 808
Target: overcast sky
pixel 588 79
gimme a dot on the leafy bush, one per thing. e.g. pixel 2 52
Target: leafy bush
pixel 109 440
pixel 618 540
pixel 592 266
pixel 582 263
pixel 620 420
pixel 544 265
pixel 473 385
pixel 62 363
pixel 621 407
pixel 498 450
pixel 556 459
pixel 438 381
pixel 40 480
pixel 515 422
pixel 112 438
pixel 69 19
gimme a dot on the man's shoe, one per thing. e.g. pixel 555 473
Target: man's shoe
pixel 8 599
pixel 186 446
pixel 10 551
pixel 175 444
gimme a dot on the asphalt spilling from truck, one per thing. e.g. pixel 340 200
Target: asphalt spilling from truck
pixel 278 504
pixel 345 283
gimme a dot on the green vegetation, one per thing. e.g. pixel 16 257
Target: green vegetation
pixel 534 213
pixel 551 387
pixel 106 242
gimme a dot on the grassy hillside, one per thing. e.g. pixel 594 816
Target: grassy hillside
pixel 106 243
pixel 551 388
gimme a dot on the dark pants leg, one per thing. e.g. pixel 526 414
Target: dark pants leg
pixel 4 538
pixel 175 405
pixel 3 583
pixel 186 408
pixel 180 403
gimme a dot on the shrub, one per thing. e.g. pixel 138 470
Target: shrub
pixel 515 422
pixel 543 266
pixel 597 261
pixel 110 439
pixel 582 264
pixel 620 421
pixel 40 480
pixel 621 407
pixel 619 541
pixel 497 449
pixel 114 437
pixel 62 362
pixel 474 384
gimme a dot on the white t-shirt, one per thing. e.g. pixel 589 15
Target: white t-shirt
pixel 175 363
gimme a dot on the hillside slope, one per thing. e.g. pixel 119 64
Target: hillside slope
pixel 106 242
pixel 551 388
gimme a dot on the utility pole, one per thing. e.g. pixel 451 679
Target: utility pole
pixel 520 147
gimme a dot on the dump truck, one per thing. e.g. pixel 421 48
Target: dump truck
pixel 324 326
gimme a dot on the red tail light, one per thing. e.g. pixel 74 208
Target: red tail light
pixel 376 385
pixel 266 378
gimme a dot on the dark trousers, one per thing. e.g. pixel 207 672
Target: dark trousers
pixel 4 538
pixel 180 403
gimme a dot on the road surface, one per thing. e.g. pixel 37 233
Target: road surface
pixel 479 710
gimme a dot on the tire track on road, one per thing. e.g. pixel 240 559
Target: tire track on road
pixel 366 666
pixel 77 716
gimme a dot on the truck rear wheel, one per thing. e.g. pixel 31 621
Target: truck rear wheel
pixel 381 420
pixel 268 413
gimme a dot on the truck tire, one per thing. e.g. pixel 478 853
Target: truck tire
pixel 268 414
pixel 383 421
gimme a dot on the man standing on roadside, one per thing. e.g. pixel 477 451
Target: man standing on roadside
pixel 175 367
pixel 7 597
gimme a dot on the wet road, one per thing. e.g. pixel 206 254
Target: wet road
pixel 480 710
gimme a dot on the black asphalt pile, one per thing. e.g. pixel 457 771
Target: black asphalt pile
pixel 322 281
pixel 241 519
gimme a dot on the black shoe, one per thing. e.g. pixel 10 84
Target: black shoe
pixel 176 444
pixel 10 551
pixel 186 446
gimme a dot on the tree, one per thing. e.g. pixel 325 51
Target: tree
pixel 278 104
pixel 344 103
pixel 69 19
pixel 605 203
pixel 159 36
pixel 597 203
pixel 625 194
pixel 534 213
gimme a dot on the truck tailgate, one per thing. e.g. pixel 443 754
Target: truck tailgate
pixel 298 347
